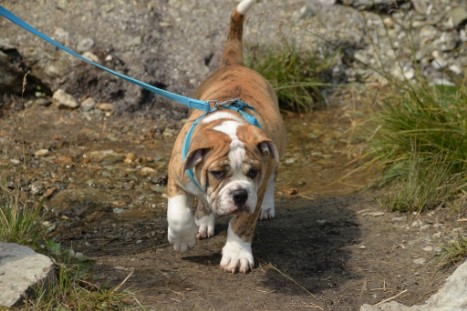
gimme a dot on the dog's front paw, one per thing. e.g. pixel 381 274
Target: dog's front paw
pixel 267 213
pixel 183 240
pixel 237 256
pixel 206 226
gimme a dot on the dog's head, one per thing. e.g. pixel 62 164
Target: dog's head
pixel 229 161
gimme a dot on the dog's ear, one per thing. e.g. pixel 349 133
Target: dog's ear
pixel 200 145
pixel 254 136
pixel 268 148
pixel 194 157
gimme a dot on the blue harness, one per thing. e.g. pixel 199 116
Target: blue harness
pixel 233 104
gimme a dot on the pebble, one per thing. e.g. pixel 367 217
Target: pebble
pixel 88 104
pixel 85 45
pixel 419 261
pixel 456 16
pixel 15 161
pixel 130 158
pixel 147 171
pixel 105 107
pixel 91 56
pixel 104 156
pixel 417 223
pixel 64 100
pixel 41 153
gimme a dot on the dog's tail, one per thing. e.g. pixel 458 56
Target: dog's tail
pixel 233 50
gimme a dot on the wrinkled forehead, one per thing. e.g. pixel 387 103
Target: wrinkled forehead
pixel 237 152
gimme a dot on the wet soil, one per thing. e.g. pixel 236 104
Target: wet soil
pixel 102 182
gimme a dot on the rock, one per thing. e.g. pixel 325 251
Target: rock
pixel 20 269
pixel 108 107
pixel 91 56
pixel 420 6
pixel 88 104
pixel 41 153
pixel 451 297
pixel 43 101
pixel 64 100
pixel 104 156
pixel 85 45
pixel 10 74
pixel 419 261
pixel 130 158
pixel 456 17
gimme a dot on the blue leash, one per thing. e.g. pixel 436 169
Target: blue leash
pixel 234 104
pixel 186 101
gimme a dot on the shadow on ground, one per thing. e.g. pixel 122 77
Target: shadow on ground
pixel 299 254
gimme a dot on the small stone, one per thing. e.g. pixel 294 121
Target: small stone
pixel 428 248
pixel 85 45
pixel 456 69
pixel 62 4
pixel 106 156
pixel 105 107
pixel 15 161
pixel 64 100
pixel 43 101
pixel 91 56
pixel 88 104
pixel 130 158
pixel 417 223
pixel 64 160
pixel 375 214
pixel 41 153
pixel 147 171
pixel 419 261
pixel 37 188
pixel 456 16
pixel 420 6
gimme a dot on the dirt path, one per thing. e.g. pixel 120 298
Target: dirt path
pixel 329 248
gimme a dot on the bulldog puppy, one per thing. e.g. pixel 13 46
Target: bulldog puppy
pixel 231 160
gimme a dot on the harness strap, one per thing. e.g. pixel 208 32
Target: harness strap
pixel 186 101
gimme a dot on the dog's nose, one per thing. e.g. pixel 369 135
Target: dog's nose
pixel 239 196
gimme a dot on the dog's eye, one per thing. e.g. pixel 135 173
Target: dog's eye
pixel 218 174
pixel 252 173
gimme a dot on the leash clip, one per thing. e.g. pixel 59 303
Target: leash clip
pixel 219 105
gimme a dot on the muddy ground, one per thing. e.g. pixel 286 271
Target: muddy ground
pixel 100 175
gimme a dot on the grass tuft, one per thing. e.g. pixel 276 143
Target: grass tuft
pixel 453 252
pixel 297 77
pixel 421 141
pixel 70 288
pixel 19 223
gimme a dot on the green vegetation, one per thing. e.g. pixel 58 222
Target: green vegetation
pixel 296 76
pixel 18 222
pixel 71 289
pixel 421 140
pixel 453 252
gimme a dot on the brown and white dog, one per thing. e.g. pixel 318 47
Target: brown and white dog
pixel 233 161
